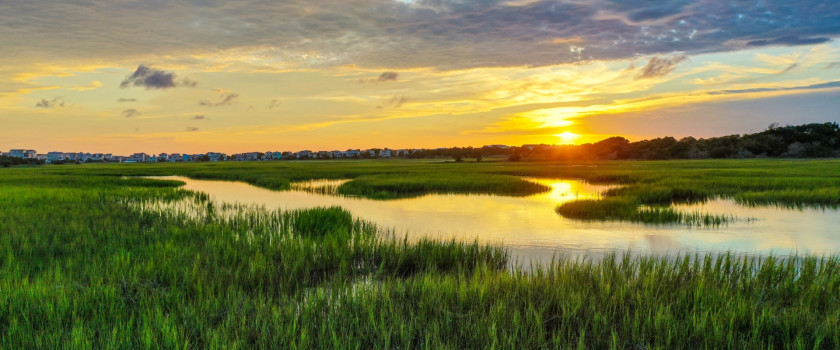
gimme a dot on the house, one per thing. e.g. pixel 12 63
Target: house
pixel 304 154
pixel 353 153
pixel 385 153
pixel 16 153
pixel 138 158
pixel 55 157
pixel 175 157
pixel 274 155
pixel 324 154
pixel 337 154
pixel 30 154
pixel 402 153
pixel 215 156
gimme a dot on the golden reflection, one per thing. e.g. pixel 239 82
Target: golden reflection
pixel 531 228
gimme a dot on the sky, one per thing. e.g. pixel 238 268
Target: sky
pixel 192 76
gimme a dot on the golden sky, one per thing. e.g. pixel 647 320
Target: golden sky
pixel 235 76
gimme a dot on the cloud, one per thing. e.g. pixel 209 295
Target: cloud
pixel 130 113
pixel 832 65
pixel 152 78
pixel 790 68
pixel 398 101
pixel 828 85
pixel 92 86
pixel 198 117
pixel 126 100
pixel 660 67
pixel 192 128
pixel 388 76
pixel 442 34
pixel 225 99
pixel 56 102
pixel 382 78
pixel 652 13
pixel 788 41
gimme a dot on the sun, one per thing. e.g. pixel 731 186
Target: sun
pixel 567 137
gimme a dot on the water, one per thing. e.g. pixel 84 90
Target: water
pixel 532 230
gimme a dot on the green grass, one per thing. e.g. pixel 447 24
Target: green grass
pixel 92 260
pixel 629 210
pixel 389 186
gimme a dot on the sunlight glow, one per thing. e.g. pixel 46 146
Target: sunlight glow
pixel 567 137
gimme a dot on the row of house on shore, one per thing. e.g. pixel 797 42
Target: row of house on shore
pixel 80 157
pixel 60 157
pixel 53 157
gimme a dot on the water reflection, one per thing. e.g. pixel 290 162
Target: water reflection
pixel 533 231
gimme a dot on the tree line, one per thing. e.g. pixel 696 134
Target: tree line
pixel 817 140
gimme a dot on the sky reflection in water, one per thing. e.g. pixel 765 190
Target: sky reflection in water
pixel 532 230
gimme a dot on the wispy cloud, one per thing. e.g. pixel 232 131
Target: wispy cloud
pixel 226 98
pixel 126 100
pixel 660 66
pixel 130 113
pixel 56 102
pixel 828 85
pixel 274 103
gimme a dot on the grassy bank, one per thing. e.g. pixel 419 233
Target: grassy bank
pixel 95 261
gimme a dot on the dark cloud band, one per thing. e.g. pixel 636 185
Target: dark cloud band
pixel 445 34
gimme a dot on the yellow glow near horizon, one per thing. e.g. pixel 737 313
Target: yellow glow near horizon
pixel 567 137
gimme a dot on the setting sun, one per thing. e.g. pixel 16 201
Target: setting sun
pixel 567 137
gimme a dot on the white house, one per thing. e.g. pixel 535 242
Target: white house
pixel 55 157
pixel 138 157
pixel 215 156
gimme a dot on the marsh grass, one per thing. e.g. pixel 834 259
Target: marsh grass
pixel 319 186
pixel 389 187
pixel 628 209
pixel 98 262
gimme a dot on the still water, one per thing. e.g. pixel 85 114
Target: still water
pixel 532 230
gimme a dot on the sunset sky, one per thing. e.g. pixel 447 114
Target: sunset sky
pixel 233 76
